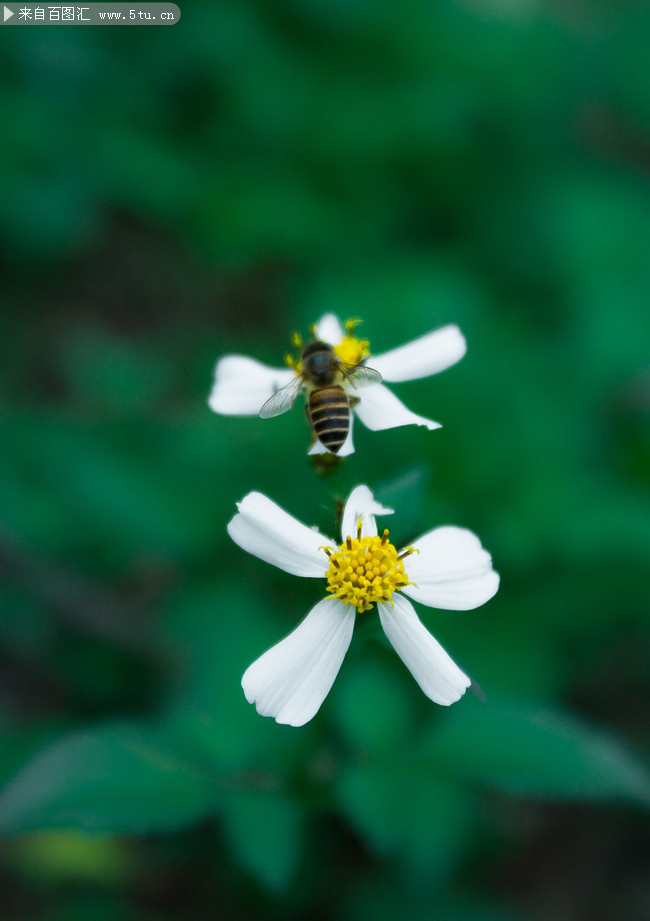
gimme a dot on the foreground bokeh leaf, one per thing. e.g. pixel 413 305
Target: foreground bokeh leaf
pixel 63 855
pixel 115 778
pixel 537 752
pixel 403 809
pixel 264 828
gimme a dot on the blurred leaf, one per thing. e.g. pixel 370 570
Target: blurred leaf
pixel 110 373
pixel 48 215
pixel 75 904
pixel 265 830
pixel 371 704
pixel 97 487
pixel 113 778
pixel 405 494
pixel 73 855
pixel 369 797
pixel 21 742
pixel 538 753
pixel 25 627
pixel 391 894
pixel 406 809
pixel 402 298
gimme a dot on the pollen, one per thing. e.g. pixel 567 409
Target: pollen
pixel 350 349
pixel 294 361
pixel 365 570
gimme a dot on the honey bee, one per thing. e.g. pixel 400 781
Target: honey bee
pixel 328 405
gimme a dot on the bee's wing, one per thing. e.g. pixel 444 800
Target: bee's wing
pixel 283 399
pixel 361 376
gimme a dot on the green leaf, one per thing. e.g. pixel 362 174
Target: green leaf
pixel 113 374
pixel 537 752
pixel 116 778
pixel 21 742
pixel 405 809
pixel 391 894
pixel 369 795
pixel 406 494
pixel 372 703
pixel 265 832
pixel 74 855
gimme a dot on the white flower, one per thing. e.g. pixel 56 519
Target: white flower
pixel 445 568
pixel 242 385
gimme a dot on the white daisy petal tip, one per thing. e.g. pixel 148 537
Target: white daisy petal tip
pixel 329 329
pixel 264 529
pixel 242 385
pixel 434 670
pixel 363 497
pixel 379 409
pixel 317 448
pixel 451 570
pixel 429 354
pixel 347 447
pixel 362 506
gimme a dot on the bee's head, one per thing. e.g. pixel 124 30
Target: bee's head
pixel 319 362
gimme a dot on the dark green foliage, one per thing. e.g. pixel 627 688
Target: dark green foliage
pixel 171 195
pixel 116 778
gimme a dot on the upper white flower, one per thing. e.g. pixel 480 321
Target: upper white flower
pixel 445 568
pixel 242 385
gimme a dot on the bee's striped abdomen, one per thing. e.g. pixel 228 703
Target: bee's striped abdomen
pixel 329 412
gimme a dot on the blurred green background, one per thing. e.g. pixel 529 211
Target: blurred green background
pixel 171 195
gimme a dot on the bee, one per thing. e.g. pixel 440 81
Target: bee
pixel 328 405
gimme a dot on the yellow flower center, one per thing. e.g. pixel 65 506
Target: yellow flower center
pixel 365 570
pixel 350 349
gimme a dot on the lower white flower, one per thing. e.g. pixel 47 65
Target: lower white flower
pixel 242 385
pixel 445 568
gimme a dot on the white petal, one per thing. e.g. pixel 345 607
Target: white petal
pixel 452 570
pixel 242 385
pixel 264 529
pixel 379 409
pixel 292 679
pixel 435 672
pixel 424 356
pixel 329 329
pixel 318 448
pixel 346 448
pixel 361 504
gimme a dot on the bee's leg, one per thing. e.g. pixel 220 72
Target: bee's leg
pixel 353 400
